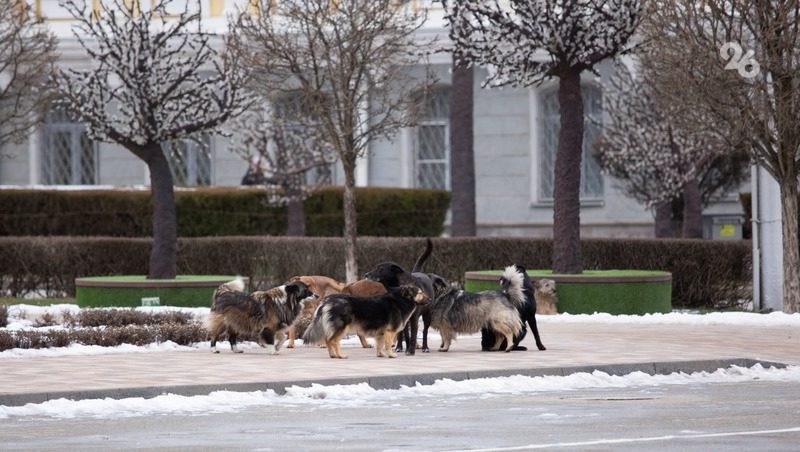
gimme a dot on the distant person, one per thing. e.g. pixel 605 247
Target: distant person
pixel 254 174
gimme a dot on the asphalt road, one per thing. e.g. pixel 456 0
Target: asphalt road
pixel 747 416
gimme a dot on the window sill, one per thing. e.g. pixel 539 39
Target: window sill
pixel 548 204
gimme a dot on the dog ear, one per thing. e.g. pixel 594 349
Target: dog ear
pixel 396 269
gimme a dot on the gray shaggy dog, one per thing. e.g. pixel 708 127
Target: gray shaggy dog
pixel 263 314
pixel 455 311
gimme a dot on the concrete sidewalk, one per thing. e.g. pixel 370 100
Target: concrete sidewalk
pixel 571 347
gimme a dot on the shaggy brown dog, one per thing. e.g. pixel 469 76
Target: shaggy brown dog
pixel 263 314
pixel 328 286
pixel 546 296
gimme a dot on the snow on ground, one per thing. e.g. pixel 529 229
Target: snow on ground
pixel 337 396
pixel 25 316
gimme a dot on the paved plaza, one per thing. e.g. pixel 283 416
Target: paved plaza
pixel 571 347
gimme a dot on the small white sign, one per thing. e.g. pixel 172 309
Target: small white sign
pixel 151 301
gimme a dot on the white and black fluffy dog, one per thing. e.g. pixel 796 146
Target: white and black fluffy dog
pixel 380 316
pixel 527 312
pixel 266 315
pixel 455 311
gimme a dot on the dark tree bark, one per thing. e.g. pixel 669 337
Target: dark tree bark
pixel 296 217
pixel 663 223
pixel 692 211
pixel 350 229
pixel 165 223
pixel 791 250
pixel 462 166
pixel 567 185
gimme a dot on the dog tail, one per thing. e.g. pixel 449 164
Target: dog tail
pixel 315 333
pixel 423 257
pixel 513 283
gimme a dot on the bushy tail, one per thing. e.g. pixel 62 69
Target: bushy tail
pixel 315 333
pixel 513 285
pixel 237 285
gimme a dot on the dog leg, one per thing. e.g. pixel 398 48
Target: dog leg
pixel 426 323
pixel 232 339
pixel 532 323
pixel 498 341
pixel 380 344
pixel 388 340
pixel 334 345
pixel 364 343
pixel 510 342
pixel 280 338
pixel 331 348
pixel 292 336
pixel 446 339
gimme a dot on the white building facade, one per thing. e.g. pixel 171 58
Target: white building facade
pixel 516 135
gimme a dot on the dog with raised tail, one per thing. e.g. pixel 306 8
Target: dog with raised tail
pixel 380 316
pixel 262 314
pixel 455 311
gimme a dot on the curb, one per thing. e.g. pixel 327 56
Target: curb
pixel 386 382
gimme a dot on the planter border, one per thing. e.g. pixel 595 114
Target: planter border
pixel 613 291
pixel 129 290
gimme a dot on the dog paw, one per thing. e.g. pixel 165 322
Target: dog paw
pixel 541 347
pixel 392 355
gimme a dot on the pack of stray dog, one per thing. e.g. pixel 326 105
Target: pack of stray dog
pixel 387 306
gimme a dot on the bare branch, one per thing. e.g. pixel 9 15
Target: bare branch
pixel 27 55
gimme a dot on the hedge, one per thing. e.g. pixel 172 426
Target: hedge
pixel 218 211
pixel 705 273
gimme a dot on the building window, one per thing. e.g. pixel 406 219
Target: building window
pixel 190 160
pixel 69 157
pixel 432 143
pixel 591 177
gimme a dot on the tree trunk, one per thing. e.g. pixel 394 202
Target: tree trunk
pixel 663 226
pixel 462 163
pixel 295 216
pixel 567 185
pixel 163 255
pixel 791 253
pixel 350 230
pixel 692 211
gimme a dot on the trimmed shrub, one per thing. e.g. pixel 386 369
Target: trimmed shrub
pixel 123 317
pixel 105 337
pixel 705 273
pixel 218 211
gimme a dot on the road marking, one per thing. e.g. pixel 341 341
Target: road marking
pixel 601 442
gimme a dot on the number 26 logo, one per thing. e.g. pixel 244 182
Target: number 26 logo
pixel 745 64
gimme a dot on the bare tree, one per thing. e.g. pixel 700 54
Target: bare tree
pixel 27 55
pixel 737 61
pixel 658 156
pixel 352 61
pixel 526 42
pixel 284 154
pixel 156 78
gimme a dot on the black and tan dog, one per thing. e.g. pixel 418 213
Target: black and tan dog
pixel 455 311
pixel 323 286
pixel 263 314
pixel 390 275
pixel 379 316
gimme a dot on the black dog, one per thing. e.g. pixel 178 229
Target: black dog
pixel 527 312
pixel 392 275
